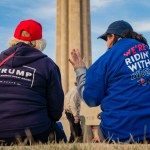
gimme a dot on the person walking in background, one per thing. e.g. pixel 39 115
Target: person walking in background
pixel 72 111
pixel 31 94
pixel 119 81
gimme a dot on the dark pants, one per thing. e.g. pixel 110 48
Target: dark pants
pixel 54 135
pixel 57 134
pixel 75 128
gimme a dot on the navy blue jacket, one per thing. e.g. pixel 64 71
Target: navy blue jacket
pixel 31 94
pixel 119 81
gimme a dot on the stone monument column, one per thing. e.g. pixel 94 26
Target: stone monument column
pixel 72 31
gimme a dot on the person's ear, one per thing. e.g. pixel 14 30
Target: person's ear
pixel 112 36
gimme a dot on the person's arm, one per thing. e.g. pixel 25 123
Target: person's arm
pixel 55 95
pixel 75 103
pixel 79 66
pixel 91 83
pixel 80 77
pixel 94 87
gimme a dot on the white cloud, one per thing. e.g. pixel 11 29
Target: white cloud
pixel 30 9
pixel 138 26
pixel 96 4
pixel 142 25
pixel 42 12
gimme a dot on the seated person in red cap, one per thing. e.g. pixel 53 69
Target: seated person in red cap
pixel 119 82
pixel 31 95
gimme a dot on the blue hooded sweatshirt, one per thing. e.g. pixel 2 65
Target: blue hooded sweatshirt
pixel 119 81
pixel 31 94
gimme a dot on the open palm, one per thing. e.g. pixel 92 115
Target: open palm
pixel 76 60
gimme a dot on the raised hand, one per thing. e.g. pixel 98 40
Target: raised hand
pixel 77 60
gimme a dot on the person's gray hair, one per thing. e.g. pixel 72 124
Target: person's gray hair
pixel 38 44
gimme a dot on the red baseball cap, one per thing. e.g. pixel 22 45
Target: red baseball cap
pixel 32 27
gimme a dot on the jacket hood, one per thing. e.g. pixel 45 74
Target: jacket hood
pixel 24 54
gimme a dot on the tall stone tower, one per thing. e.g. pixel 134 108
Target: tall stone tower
pixel 73 30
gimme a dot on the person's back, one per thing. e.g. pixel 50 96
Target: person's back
pixel 119 81
pixel 125 103
pixel 31 95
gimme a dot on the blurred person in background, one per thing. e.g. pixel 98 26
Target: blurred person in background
pixel 72 111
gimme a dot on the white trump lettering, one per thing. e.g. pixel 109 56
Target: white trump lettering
pixel 28 74
pixel 4 71
pixel 20 73
pixel 16 72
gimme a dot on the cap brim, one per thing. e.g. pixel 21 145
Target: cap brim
pixel 103 36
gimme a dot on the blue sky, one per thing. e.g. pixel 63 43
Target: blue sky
pixel 103 12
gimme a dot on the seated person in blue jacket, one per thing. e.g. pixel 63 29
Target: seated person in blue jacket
pixel 119 81
pixel 31 95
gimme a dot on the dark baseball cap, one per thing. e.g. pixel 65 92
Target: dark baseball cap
pixel 117 28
